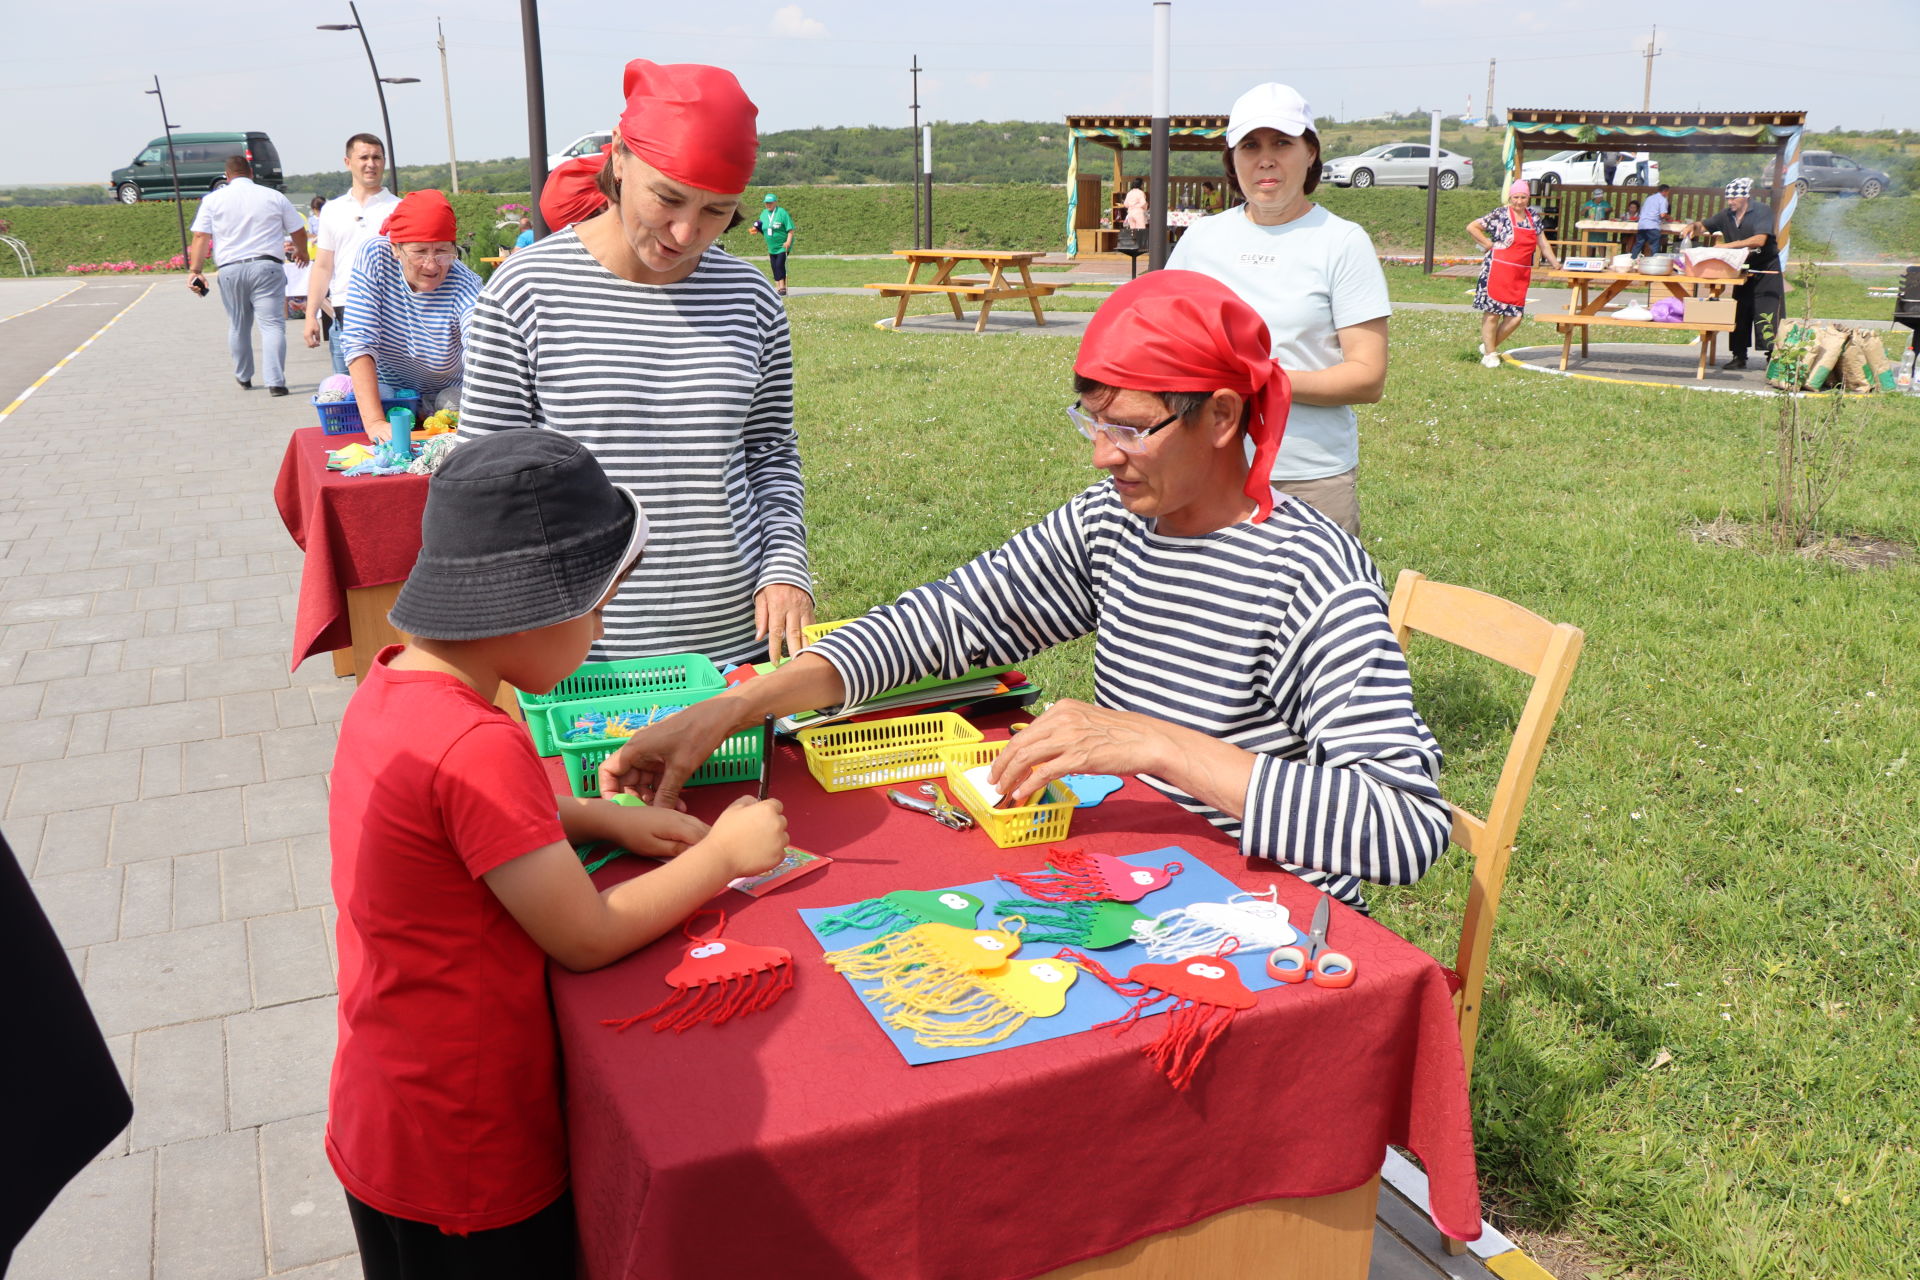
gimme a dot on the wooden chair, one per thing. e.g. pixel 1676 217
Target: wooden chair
pixel 1506 633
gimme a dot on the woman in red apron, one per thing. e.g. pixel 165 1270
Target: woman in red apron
pixel 1511 237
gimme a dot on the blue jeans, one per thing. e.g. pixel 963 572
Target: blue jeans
pixel 335 338
pixel 1646 240
pixel 256 291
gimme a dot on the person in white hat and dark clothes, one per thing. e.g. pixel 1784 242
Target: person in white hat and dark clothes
pixel 1747 224
pixel 1314 279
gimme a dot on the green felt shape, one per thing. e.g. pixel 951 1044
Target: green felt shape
pixel 907 907
pixel 1093 925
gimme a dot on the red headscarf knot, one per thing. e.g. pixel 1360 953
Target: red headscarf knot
pixel 1183 331
pixel 421 217
pixel 693 123
pixel 572 193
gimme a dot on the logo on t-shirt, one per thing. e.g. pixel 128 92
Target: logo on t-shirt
pixel 1258 259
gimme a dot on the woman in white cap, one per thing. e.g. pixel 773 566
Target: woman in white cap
pixel 1314 279
pixel 1512 238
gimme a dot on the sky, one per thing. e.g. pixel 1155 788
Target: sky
pixel 72 75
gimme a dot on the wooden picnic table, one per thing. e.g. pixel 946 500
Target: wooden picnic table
pixel 995 287
pixel 1585 309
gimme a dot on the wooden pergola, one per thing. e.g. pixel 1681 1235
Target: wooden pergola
pixel 1774 134
pixel 1121 134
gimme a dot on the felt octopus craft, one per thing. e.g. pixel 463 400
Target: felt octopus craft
pixel 953 986
pixel 716 980
pixel 1206 992
pixel 1074 875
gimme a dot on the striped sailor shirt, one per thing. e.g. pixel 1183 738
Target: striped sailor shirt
pixel 684 392
pixel 415 339
pixel 1270 636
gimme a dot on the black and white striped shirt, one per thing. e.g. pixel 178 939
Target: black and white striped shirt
pixel 684 392
pixel 1270 636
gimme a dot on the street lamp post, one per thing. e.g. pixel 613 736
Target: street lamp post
pixel 393 165
pixel 173 163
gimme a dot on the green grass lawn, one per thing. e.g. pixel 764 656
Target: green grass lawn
pixel 1698 1059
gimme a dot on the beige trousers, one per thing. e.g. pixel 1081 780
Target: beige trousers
pixel 1335 497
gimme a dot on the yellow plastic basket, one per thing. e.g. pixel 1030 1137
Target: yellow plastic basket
pixel 1041 823
pixel 845 756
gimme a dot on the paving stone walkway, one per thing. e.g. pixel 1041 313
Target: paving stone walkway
pixel 164 784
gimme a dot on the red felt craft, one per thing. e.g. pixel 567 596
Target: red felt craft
pixel 359 532
pixel 1074 875
pixel 856 1164
pixel 717 979
pixel 1206 993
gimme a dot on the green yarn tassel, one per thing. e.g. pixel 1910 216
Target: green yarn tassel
pixel 874 913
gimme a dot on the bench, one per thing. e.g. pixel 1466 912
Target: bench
pixel 995 287
pixel 1567 322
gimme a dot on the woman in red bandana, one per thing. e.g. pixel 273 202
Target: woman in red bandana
pixel 634 333
pixel 1243 663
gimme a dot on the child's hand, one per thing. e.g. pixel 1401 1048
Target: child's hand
pixel 751 836
pixel 656 832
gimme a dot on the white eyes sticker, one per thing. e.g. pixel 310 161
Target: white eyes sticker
pixel 987 942
pixel 1141 877
pixel 953 902
pixel 706 949
pixel 1200 969
pixel 1261 911
pixel 1047 973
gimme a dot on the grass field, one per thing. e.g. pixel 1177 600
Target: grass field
pixel 1699 1056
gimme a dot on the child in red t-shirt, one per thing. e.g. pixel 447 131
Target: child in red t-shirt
pixel 455 878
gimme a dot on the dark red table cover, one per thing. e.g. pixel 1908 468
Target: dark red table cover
pixel 358 532
pixel 796 1142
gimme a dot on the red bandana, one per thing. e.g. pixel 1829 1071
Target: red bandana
pixel 572 193
pixel 421 216
pixel 693 123
pixel 1182 331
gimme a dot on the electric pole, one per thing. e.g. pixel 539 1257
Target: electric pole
pixel 446 93
pixel 1646 96
pixel 916 152
pixel 1489 103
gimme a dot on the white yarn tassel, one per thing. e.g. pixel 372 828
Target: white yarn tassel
pixel 1255 920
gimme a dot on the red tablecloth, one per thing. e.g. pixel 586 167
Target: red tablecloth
pixel 796 1142
pixel 359 532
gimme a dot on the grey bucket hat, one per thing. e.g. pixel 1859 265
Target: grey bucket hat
pixel 522 530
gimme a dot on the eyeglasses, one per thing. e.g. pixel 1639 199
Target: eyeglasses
pixel 1125 439
pixel 444 257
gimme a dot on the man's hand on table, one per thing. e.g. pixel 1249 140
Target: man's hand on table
pixel 1077 737
pixel 779 612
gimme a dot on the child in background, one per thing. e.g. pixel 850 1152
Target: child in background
pixel 455 877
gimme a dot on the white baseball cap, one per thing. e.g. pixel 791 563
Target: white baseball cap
pixel 1269 106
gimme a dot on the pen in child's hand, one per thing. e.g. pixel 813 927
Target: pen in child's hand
pixel 766 756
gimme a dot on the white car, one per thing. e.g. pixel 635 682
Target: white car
pixel 1591 169
pixel 1397 164
pixel 584 145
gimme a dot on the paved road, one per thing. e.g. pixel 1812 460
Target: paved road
pixel 45 327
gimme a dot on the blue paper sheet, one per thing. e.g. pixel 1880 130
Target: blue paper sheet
pixel 1090 1001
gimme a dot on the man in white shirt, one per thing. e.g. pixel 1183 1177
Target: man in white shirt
pixel 345 223
pixel 251 225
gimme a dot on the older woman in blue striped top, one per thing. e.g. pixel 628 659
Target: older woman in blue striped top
pixel 406 324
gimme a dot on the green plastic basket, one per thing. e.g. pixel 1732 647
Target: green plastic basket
pixel 736 760
pixel 654 679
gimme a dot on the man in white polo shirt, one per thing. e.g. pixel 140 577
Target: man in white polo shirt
pixel 345 223
pixel 250 224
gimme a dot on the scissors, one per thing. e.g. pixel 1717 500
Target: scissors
pixel 1321 967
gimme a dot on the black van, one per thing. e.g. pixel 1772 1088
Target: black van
pixel 202 158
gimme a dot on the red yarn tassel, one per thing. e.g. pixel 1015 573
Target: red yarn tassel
pixel 1192 1028
pixel 1072 877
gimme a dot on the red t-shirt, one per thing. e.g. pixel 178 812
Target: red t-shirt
pixel 445 1101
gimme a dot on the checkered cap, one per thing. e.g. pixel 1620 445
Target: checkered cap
pixel 1739 187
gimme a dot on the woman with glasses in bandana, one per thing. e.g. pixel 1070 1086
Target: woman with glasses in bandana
pixel 412 297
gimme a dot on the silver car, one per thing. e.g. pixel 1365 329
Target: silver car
pixel 1398 164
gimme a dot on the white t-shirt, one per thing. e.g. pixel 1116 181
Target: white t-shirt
pixel 345 225
pixel 1307 279
pixel 246 220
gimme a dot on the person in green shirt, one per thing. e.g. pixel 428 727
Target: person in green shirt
pixel 776 224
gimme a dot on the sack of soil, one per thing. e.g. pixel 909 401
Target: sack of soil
pixel 1829 340
pixel 1873 349
pixel 1853 366
pixel 1792 357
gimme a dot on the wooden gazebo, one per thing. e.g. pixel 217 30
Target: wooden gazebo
pixel 1776 135
pixel 1120 134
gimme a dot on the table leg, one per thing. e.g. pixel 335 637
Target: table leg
pixel 343 662
pixel 1314 1238
pixel 1033 299
pixel 367 621
pixel 913 274
pixel 986 307
pixel 1566 345
pixel 1706 356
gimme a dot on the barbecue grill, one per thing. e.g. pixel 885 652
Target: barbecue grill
pixel 1906 308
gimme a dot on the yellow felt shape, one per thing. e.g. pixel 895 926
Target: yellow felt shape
pixel 350 456
pixel 999 1005
pixel 930 966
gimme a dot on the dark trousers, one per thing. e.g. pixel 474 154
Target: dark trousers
pixel 1757 305
pixel 779 262
pixel 539 1248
